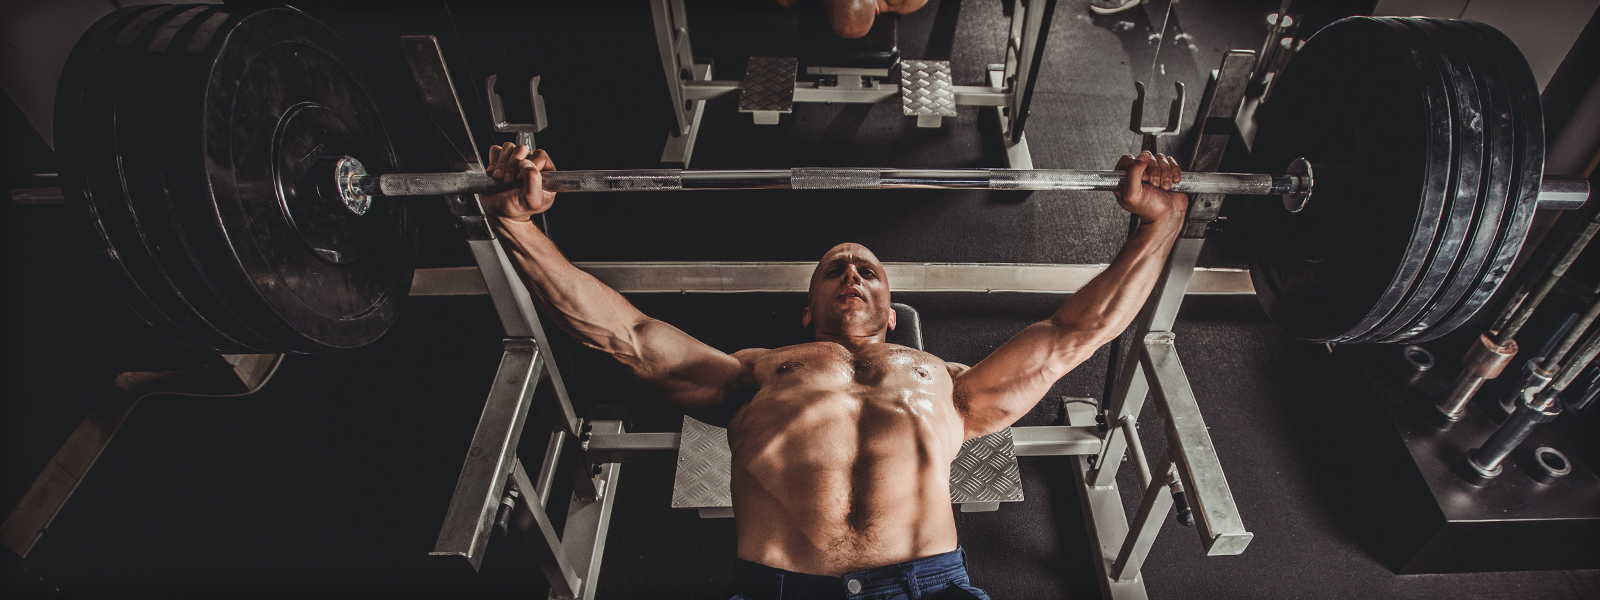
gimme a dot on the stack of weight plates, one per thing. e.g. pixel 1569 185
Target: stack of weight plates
pixel 1428 146
pixel 187 134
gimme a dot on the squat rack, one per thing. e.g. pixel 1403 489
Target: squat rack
pixel 496 489
pixel 924 87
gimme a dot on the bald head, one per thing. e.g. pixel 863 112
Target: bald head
pixel 849 295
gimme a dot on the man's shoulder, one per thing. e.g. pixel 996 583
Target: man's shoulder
pixel 751 356
pixel 748 356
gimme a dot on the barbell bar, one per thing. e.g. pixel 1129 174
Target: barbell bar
pixel 355 188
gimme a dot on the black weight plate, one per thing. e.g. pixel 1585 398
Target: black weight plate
pixel 1356 100
pixel 1490 120
pixel 148 72
pixel 174 79
pixel 280 91
pixel 1503 62
pixel 77 138
pixel 85 124
pixel 1456 237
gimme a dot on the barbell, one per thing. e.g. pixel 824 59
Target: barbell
pixel 353 188
pixel 221 155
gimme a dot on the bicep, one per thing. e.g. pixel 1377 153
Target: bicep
pixel 1003 387
pixel 689 374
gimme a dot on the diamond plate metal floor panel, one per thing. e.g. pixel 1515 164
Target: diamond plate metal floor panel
pixel 769 84
pixel 926 88
pixel 704 465
pixel 984 471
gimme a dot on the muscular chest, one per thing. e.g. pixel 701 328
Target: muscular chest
pixel 878 367
pixel 822 385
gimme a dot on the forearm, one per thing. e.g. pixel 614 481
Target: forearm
pixel 1105 306
pixel 581 305
pixel 1010 381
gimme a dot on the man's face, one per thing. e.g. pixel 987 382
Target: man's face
pixel 850 294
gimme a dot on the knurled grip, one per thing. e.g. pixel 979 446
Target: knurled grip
pixel 835 179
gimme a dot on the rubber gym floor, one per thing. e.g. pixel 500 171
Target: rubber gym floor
pixel 334 478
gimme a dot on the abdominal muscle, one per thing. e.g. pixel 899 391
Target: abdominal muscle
pixel 841 462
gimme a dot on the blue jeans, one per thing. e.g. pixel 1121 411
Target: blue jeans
pixel 937 577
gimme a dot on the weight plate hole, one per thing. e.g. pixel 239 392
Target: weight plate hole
pixel 1553 461
pixel 1418 357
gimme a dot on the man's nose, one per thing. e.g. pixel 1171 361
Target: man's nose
pixel 852 274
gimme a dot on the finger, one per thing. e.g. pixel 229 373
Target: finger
pixel 1122 163
pixel 497 162
pixel 542 161
pixel 1136 175
pixel 532 182
pixel 1172 171
pixel 1163 177
pixel 508 162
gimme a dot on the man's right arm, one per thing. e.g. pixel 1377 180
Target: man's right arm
pixel 1002 388
pixel 692 377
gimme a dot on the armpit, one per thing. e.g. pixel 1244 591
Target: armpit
pixel 958 395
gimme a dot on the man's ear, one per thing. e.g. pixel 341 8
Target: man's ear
pixel 805 317
pixel 894 316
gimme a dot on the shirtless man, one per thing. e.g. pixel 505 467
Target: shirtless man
pixel 842 447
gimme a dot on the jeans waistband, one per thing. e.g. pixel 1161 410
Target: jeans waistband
pixel 760 581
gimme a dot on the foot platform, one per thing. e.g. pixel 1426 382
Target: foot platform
pixel 768 87
pixel 927 91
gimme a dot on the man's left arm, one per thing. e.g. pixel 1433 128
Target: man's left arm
pixel 1002 388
